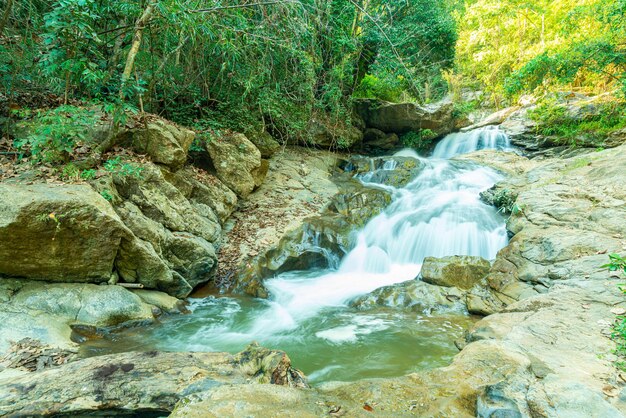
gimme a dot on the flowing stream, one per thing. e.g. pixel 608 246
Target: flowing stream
pixel 438 213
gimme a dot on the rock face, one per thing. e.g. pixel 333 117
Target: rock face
pixel 526 132
pixel 65 233
pixel 298 186
pixel 237 162
pixel 140 383
pixel 48 311
pixel 400 118
pixel 462 272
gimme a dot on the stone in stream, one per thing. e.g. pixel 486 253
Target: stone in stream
pixel 462 272
pixel 141 382
pixel 49 311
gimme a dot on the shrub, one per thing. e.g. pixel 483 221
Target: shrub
pixel 55 133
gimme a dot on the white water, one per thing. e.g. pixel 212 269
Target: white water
pixel 438 213
pixel 489 137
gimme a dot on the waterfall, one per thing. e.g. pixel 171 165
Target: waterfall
pixel 438 213
pixel 489 137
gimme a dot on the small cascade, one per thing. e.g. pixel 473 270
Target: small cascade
pixel 489 137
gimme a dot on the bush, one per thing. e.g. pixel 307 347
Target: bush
pixel 555 120
pixel 372 87
pixel 54 134
pixel 419 140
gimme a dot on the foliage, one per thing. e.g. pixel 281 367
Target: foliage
pixel 616 263
pixel 504 200
pixel 514 47
pixel 53 134
pixel 237 65
pixel 555 119
pixel 372 87
pixel 124 169
pixel 420 140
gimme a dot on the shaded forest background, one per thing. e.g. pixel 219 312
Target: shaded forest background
pixel 281 64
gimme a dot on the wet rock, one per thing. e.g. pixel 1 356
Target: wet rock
pixel 298 186
pixel 47 311
pixel 415 295
pixel 462 272
pixel 237 162
pixel 319 242
pixel 138 383
pixel 390 171
pixel 65 233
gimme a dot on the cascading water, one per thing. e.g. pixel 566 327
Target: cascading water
pixel 438 213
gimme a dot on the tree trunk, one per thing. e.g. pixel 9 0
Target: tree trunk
pixel 134 48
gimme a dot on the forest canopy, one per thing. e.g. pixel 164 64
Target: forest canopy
pixel 283 63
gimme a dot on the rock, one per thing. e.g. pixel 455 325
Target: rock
pixel 298 186
pixel 163 141
pixel 251 401
pixel 401 118
pixel 139 383
pixel 65 233
pixel 493 119
pixel 332 134
pixel 48 311
pixel 525 132
pixel 265 142
pixel 462 272
pixel 414 295
pixel 375 140
pixel 237 162
pixel 203 188
pixel 163 301
pixel 390 171
pixel 319 241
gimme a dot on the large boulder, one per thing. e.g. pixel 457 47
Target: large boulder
pixel 265 142
pixel 237 162
pixel 164 142
pixel 400 118
pixel 48 311
pixel 414 295
pixel 65 233
pixel 140 384
pixel 462 272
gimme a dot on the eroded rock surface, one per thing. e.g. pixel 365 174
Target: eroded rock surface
pixel 136 383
